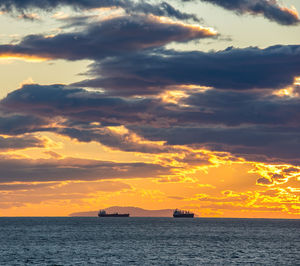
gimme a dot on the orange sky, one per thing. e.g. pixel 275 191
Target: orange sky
pixel 196 109
pixel 219 187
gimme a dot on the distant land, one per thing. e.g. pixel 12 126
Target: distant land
pixel 133 211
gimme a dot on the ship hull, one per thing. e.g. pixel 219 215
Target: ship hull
pixel 188 215
pixel 114 215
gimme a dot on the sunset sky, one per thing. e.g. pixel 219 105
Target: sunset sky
pixel 191 104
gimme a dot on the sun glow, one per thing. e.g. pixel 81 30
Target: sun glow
pixel 293 11
pixel 209 31
pixel 23 57
pixel 297 81
pixel 286 92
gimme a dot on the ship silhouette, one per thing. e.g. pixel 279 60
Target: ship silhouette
pixel 182 214
pixel 102 213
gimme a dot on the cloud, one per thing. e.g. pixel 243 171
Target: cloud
pixel 276 174
pixel 235 108
pixel 106 38
pixel 12 143
pixel 232 69
pixel 160 9
pixel 60 188
pixel 79 109
pixel 12 123
pixel 25 187
pixel 47 170
pixel 120 52
pixel 273 142
pixel 75 103
pixel 30 17
pixel 128 141
pixel 120 47
pixel 210 107
pixel 264 181
pixel 270 9
pixel 245 123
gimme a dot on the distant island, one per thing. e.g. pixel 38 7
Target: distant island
pixel 134 212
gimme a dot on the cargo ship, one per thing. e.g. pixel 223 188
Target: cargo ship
pixel 182 214
pixel 102 213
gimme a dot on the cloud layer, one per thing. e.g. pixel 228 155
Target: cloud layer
pixel 45 170
pixel 14 143
pixel 231 69
pixel 160 9
pixel 270 9
pixel 244 123
pixel 116 36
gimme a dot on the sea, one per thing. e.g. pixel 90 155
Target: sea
pixel 148 241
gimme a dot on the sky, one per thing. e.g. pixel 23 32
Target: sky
pixel 191 104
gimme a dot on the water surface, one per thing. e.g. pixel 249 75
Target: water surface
pixel 148 241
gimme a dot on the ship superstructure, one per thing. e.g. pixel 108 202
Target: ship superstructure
pixel 182 214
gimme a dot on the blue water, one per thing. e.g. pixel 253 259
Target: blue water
pixel 148 241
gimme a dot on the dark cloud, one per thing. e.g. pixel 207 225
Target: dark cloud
pixel 211 107
pixel 160 9
pixel 278 176
pixel 247 123
pixel 125 142
pixel 290 170
pixel 11 143
pixel 45 170
pixel 82 108
pixel 234 108
pixel 129 62
pixel 123 86
pixel 149 72
pixel 110 37
pixel 264 181
pixel 10 5
pixel 270 9
pixel 74 103
pixel 280 143
pixel 15 124
pixel 237 69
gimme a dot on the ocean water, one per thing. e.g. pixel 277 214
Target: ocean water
pixel 148 241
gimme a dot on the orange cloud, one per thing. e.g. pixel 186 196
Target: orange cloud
pixel 24 57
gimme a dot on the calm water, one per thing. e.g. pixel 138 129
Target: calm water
pixel 148 241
